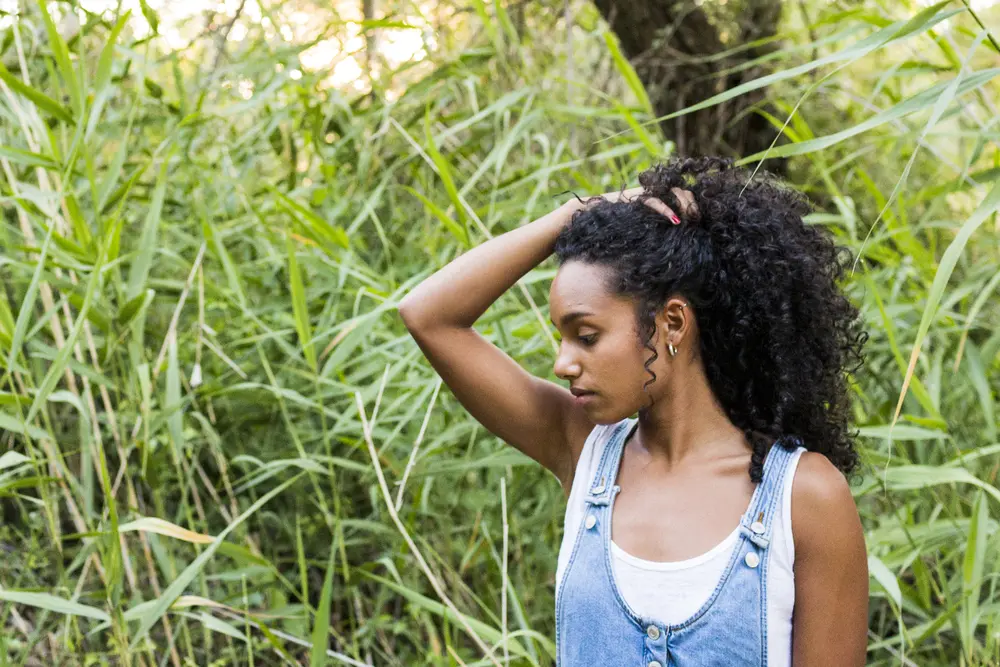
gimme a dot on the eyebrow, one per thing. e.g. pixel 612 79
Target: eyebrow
pixel 569 317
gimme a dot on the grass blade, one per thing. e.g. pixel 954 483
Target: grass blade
pixel 299 308
pixel 139 270
pixel 40 100
pixel 177 586
pixel 53 603
pixel 321 624
pixel 948 261
pixel 151 524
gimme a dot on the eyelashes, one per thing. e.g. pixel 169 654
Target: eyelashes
pixel 587 340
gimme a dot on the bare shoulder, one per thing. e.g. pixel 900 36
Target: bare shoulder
pixel 831 567
pixel 819 484
pixel 823 509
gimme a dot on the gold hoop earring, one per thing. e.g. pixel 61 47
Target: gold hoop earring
pixel 670 346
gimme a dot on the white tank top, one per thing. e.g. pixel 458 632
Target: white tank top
pixel 673 591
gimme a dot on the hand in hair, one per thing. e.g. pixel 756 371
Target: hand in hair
pixel 684 197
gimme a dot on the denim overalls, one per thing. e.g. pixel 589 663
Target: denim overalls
pixel 594 624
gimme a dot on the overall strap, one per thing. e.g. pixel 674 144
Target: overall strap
pixel 599 492
pixel 758 522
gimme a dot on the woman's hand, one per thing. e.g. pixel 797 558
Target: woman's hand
pixel 626 195
pixel 685 197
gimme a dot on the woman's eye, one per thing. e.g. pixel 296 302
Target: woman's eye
pixel 588 340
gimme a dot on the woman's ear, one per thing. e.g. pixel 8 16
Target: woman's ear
pixel 676 315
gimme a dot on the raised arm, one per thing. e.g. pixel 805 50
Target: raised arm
pixel 536 416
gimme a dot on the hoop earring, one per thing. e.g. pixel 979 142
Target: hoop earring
pixel 670 346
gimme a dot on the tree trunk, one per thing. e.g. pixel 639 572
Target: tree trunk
pixel 668 42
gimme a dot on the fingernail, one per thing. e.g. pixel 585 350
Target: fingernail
pixel 674 219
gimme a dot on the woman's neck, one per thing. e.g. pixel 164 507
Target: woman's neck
pixel 688 426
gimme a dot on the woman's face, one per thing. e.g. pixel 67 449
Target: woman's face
pixel 600 349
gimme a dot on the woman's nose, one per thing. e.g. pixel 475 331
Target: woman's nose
pixel 565 368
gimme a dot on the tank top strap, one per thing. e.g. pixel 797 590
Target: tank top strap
pixel 757 523
pixel 600 490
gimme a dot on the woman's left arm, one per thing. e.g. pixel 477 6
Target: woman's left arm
pixel 830 620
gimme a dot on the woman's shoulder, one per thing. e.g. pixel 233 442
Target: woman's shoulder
pixel 819 483
pixel 823 507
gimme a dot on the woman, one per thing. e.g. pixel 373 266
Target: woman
pixel 717 526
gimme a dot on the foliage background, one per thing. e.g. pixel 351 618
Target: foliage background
pixel 211 211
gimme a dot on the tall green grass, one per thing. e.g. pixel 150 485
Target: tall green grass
pixel 220 446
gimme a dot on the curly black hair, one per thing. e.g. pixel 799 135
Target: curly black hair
pixel 778 336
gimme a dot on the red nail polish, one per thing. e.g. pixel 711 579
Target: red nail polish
pixel 674 219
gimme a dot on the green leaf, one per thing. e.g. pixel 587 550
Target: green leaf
pixel 12 424
pixel 6 320
pixel 975 549
pixel 28 303
pixel 61 53
pixel 40 100
pixel 321 624
pixel 11 459
pixel 505 22
pixel 151 524
pixel 106 60
pixel 884 576
pixel 58 365
pixel 28 158
pixel 323 230
pixel 102 83
pixel 215 625
pixel 299 307
pixel 979 379
pixel 81 233
pixel 973 566
pixel 177 586
pixel 479 6
pixel 53 603
pixel 919 477
pixel 627 71
pixel 150 15
pixel 921 22
pixel 370 24
pixel 139 270
pixel 989 205
pixel 173 407
pixel 458 231
pixel 360 328
pixel 444 171
pixel 923 396
pixel 489 634
pixel 901 433
pixel 946 90
pixel 134 307
pixel 114 170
